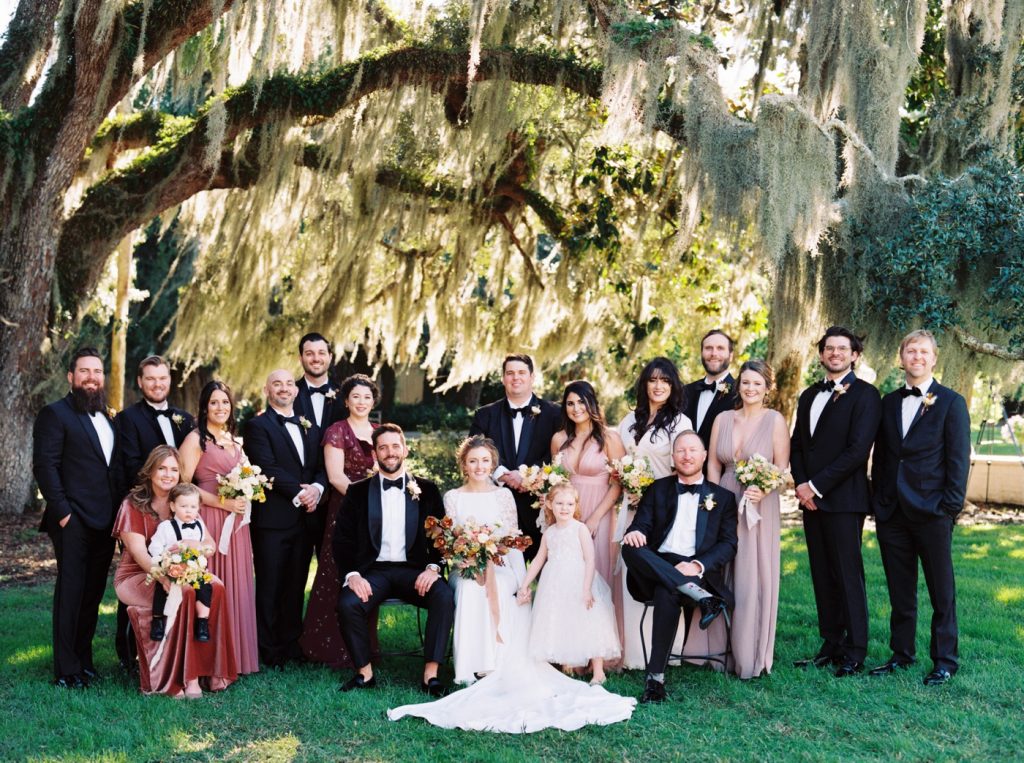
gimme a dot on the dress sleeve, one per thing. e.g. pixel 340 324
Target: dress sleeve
pixel 334 435
pixel 507 505
pixel 129 520
pixel 449 503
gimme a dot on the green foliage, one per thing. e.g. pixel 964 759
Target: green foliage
pixel 433 456
pixel 637 32
pixel 927 88
pixel 429 418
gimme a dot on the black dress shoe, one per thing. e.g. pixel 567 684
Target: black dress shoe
pixel 654 691
pixel 156 628
pixel 358 682
pixel 937 677
pixel 849 668
pixel 434 688
pixel 710 608
pixel 889 667
pixel 817 661
pixel 90 675
pixel 201 630
pixel 70 682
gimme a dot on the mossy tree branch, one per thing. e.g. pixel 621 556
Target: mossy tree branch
pixel 23 54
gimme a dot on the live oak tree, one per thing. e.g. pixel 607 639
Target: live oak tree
pixel 548 175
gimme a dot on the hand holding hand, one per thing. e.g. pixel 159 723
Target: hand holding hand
pixel 523 595
pixel 636 539
pixel 806 496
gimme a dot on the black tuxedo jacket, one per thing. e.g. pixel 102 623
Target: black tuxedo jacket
pixel 140 432
pixel 716 531
pixel 357 532
pixel 334 409
pixel 724 401
pixel 495 421
pixel 835 458
pixel 269 446
pixel 73 475
pixel 924 473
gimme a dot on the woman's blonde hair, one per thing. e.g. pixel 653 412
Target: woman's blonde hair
pixel 472 443
pixel 562 487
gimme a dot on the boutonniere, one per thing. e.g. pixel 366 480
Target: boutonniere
pixel 927 402
pixel 331 394
pixel 724 388
pixel 305 423
pixel 178 419
pixel 111 413
pixel 709 502
pixel 840 390
pixel 535 410
pixel 413 488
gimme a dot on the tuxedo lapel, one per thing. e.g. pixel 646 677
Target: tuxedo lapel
pixel 702 516
pixel 90 432
pixel 283 430
pixel 149 414
pixel 412 515
pixel 897 411
pixel 374 513
pixel 932 390
pixel 833 401
pixel 526 434
pixel 508 437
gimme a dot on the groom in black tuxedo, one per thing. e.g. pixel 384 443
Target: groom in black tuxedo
pixel 836 423
pixel 76 461
pixel 716 392
pixel 280 443
pixel 521 425
pixel 919 475
pixel 676 550
pixel 382 551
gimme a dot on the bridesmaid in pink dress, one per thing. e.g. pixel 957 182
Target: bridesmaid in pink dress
pixel 738 435
pixel 586 446
pixel 209 451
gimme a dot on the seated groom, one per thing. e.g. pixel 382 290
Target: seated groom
pixel 683 535
pixel 381 550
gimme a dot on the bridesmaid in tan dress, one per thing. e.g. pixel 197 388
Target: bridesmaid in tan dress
pixel 738 435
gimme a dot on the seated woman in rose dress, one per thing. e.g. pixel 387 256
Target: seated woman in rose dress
pixel 178 665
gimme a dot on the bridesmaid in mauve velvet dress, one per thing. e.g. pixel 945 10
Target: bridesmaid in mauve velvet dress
pixel 348 456
pixel 209 451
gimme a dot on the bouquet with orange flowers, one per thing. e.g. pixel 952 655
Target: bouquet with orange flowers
pixel 467 548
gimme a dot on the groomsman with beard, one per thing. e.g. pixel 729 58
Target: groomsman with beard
pixel 716 392
pixel 521 425
pixel 76 462
pixel 836 423
pixel 141 427
pixel 919 476
pixel 281 443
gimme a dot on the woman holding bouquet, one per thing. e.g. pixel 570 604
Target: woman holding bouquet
pixel 178 664
pixel 648 433
pixel 208 452
pixel 752 429
pixel 348 457
pixel 484 605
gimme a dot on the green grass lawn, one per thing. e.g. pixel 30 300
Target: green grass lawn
pixel 792 714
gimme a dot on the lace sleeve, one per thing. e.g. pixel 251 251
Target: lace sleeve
pixel 507 505
pixel 449 503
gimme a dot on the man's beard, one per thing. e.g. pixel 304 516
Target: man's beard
pixel 89 401
pixel 388 470
pixel 714 372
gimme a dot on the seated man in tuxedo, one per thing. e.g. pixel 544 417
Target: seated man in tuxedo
pixel 381 550
pixel 675 551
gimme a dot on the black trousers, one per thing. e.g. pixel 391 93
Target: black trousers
pixel 527 517
pixel 397 580
pixel 837 574
pixel 204 595
pixel 655 578
pixel 124 637
pixel 281 570
pixel 903 542
pixel 83 561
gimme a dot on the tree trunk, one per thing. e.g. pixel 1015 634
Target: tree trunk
pixel 119 337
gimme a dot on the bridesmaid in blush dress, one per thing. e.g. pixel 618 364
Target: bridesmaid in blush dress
pixel 209 451
pixel 348 456
pixel 738 435
pixel 586 446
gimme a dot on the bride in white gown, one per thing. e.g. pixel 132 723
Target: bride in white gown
pixel 518 694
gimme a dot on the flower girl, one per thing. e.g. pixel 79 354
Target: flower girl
pixel 573 619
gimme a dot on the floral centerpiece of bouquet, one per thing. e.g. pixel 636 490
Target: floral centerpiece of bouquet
pixel 182 565
pixel 634 473
pixel 538 480
pixel 245 481
pixel 757 471
pixel 468 548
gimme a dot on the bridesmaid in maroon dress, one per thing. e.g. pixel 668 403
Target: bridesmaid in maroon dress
pixel 348 457
pixel 178 665
pixel 211 450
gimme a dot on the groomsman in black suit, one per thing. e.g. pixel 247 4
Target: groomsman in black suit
pixel 280 441
pixel 716 392
pixel 676 551
pixel 836 423
pixel 521 425
pixel 141 427
pixel 919 474
pixel 76 462
pixel 382 551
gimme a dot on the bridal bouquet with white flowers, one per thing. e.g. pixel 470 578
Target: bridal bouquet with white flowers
pixel 245 481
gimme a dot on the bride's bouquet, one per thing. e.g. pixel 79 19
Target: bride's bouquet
pixel 467 548
pixel 634 473
pixel 182 565
pixel 757 471
pixel 245 481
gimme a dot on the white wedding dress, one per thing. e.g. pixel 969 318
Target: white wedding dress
pixel 521 695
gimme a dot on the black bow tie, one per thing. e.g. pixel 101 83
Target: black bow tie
pixel 516 411
pixel 165 412
pixel 323 389
pixel 682 489
pixel 388 484
pixel 704 386
pixel 826 385
pixel 909 392
pixel 293 419
pixel 188 525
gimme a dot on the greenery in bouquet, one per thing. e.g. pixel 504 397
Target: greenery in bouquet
pixel 245 481
pixel 757 471
pixel 538 480
pixel 182 565
pixel 467 548
pixel 634 473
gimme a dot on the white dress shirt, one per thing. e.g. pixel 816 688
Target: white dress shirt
pixel 392 527
pixel 295 433
pixel 682 538
pixel 163 421
pixel 105 431
pixel 706 398
pixel 317 399
pixel 817 406
pixel 517 431
pixel 165 537
pixel 911 403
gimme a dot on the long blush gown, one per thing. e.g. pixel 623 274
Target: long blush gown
pixel 591 479
pixel 182 658
pixel 235 567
